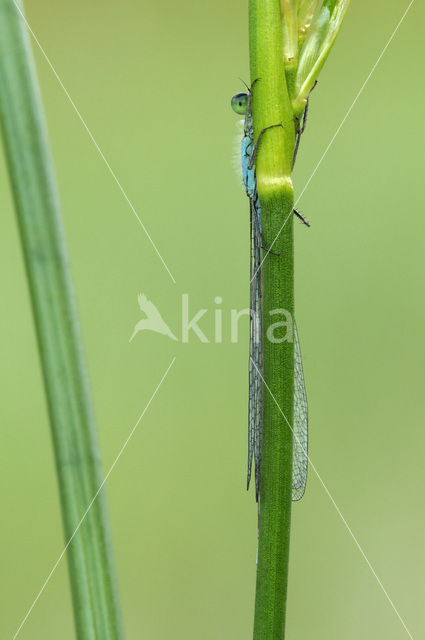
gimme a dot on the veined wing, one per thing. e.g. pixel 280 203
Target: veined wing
pixel 300 428
pixel 300 446
pixel 255 412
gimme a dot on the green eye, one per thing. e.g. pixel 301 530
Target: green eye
pixel 239 103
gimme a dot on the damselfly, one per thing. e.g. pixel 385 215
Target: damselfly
pixel 241 104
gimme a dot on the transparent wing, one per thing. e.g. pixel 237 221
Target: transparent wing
pixel 255 412
pixel 300 447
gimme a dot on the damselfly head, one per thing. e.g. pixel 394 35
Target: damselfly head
pixel 239 103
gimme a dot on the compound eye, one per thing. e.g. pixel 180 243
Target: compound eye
pixel 239 103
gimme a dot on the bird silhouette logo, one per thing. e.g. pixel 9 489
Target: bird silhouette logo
pixel 153 320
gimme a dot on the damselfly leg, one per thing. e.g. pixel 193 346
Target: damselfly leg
pixel 301 126
pixel 257 144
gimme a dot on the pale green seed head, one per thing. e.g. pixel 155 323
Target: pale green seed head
pixel 309 31
pixel 319 22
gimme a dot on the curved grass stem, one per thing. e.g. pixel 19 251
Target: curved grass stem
pixel 92 572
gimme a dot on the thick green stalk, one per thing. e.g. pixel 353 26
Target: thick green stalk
pixel 91 566
pixel 271 106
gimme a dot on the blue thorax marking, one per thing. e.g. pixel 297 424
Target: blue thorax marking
pixel 248 175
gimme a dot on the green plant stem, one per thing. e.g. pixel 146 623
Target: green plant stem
pixel 271 106
pixel 90 557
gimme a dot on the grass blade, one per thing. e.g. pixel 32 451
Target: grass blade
pixel 90 557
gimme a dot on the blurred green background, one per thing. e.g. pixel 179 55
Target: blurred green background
pixel 153 82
